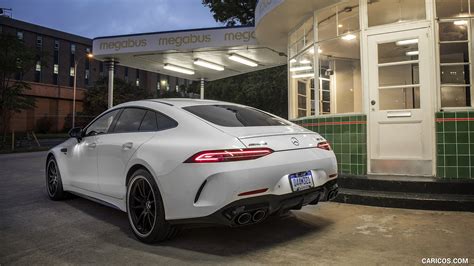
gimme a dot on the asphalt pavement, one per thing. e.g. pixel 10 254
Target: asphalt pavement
pixel 35 230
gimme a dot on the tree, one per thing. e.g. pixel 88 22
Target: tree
pixel 232 12
pixel 95 101
pixel 265 89
pixel 15 57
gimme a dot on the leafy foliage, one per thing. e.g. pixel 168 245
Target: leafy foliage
pixel 264 89
pixel 232 12
pixel 15 58
pixel 95 101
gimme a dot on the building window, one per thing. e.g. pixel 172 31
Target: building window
pixel 333 85
pixel 338 20
pixel 454 35
pixel 302 37
pixel 454 8
pixel 126 74
pixel 56 45
pixel 38 71
pixel 19 35
pixel 101 69
pixel 73 48
pixel 39 41
pixel 56 69
pixel 86 77
pixel 382 12
pixel 71 71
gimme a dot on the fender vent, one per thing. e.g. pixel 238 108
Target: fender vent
pixel 198 194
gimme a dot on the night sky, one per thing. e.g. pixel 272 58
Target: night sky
pixel 93 18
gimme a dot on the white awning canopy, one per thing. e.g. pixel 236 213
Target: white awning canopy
pixel 211 54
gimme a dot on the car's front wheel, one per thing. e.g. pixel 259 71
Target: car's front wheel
pixel 145 209
pixel 54 184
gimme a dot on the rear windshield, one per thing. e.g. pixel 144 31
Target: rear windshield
pixel 234 116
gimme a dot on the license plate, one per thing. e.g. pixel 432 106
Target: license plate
pixel 301 181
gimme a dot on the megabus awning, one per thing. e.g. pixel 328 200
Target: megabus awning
pixel 212 53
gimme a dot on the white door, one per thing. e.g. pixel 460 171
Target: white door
pixel 134 127
pixel 400 103
pixel 83 169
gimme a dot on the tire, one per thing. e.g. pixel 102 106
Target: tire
pixel 145 210
pixel 54 183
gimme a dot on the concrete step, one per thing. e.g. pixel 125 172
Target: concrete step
pixel 408 184
pixel 423 201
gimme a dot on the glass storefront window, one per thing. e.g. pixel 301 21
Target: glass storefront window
pixel 339 75
pixel 301 71
pixel 302 37
pixel 455 65
pixel 382 12
pixel 338 20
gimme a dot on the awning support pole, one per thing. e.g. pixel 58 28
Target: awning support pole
pixel 111 66
pixel 202 88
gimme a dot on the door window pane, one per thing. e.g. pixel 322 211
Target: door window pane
pixel 392 11
pixel 398 51
pixel 302 75
pixel 102 124
pixel 129 120
pixel 149 122
pixel 399 98
pixel 398 75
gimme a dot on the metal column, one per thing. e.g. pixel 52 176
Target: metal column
pixel 202 88
pixel 111 66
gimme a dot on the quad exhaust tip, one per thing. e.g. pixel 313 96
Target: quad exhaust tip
pixel 244 218
pixel 258 216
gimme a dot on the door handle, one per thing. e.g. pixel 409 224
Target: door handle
pixel 92 145
pixel 127 146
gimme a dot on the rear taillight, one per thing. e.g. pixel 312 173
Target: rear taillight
pixel 324 145
pixel 217 156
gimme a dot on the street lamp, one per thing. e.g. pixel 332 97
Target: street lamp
pixel 89 55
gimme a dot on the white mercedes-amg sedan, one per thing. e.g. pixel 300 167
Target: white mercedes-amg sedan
pixel 170 162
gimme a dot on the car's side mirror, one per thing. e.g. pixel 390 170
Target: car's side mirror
pixel 77 133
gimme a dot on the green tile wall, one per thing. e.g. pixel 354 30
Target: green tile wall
pixel 348 138
pixel 455 144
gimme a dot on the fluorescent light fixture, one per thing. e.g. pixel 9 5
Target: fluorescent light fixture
pixel 460 22
pixel 339 26
pixel 208 64
pixel 405 42
pixel 243 60
pixel 412 53
pixel 349 37
pixel 178 69
pixel 293 60
pixel 305 75
pixel 319 50
pixel 305 61
pixel 300 68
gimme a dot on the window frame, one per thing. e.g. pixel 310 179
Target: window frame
pixel 470 33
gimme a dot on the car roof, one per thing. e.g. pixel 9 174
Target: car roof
pixel 183 102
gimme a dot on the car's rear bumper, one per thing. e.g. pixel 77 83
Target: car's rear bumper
pixel 270 204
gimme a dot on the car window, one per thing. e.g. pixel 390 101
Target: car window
pixel 149 122
pixel 102 124
pixel 164 122
pixel 129 120
pixel 235 116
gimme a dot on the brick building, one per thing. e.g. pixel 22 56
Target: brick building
pixel 52 83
